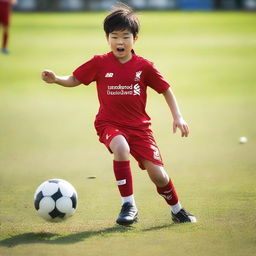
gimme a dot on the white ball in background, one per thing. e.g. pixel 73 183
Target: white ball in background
pixel 243 140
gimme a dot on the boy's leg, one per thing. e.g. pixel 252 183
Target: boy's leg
pixel 121 166
pixel 122 171
pixel 166 189
pixel 5 37
pixel 164 185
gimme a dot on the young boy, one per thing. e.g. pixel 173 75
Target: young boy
pixel 5 12
pixel 122 123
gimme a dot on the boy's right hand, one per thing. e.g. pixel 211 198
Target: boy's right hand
pixel 49 76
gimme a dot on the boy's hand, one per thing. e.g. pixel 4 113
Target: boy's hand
pixel 49 76
pixel 182 125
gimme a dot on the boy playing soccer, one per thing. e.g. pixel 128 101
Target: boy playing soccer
pixel 122 123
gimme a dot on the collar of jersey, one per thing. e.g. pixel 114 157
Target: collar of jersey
pixel 111 54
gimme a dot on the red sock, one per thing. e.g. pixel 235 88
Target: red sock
pixel 168 193
pixel 5 39
pixel 123 177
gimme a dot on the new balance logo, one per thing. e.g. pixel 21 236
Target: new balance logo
pixel 109 74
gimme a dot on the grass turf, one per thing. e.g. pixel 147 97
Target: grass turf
pixel 47 131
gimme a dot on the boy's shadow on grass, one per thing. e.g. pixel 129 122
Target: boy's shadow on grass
pixel 54 238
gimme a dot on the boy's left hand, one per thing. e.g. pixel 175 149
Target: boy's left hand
pixel 182 125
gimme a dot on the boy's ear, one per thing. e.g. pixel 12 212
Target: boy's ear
pixel 136 37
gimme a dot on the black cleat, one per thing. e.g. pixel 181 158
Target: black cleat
pixel 5 51
pixel 183 216
pixel 128 214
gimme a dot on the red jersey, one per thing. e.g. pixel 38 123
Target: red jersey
pixel 122 88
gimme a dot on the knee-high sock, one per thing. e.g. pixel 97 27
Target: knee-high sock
pixel 123 177
pixel 168 193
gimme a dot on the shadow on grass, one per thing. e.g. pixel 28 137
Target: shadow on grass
pixel 165 226
pixel 54 238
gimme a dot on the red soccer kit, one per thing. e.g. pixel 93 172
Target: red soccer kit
pixel 5 9
pixel 122 93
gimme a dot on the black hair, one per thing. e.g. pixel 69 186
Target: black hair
pixel 120 18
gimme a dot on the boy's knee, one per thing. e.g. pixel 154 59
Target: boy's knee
pixel 120 148
pixel 157 174
pixel 160 181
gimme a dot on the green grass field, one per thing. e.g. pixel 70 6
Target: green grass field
pixel 47 131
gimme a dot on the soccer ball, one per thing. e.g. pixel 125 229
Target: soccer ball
pixel 55 200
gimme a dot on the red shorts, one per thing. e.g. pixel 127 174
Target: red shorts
pixel 141 142
pixel 5 9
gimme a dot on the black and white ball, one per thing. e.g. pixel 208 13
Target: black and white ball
pixel 55 200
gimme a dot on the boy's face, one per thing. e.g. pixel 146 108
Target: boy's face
pixel 121 44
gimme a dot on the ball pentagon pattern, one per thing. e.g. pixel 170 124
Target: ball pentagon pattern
pixel 55 200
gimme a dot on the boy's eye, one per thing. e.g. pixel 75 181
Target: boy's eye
pixel 127 37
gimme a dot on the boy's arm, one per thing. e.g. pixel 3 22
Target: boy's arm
pixel 67 81
pixel 178 120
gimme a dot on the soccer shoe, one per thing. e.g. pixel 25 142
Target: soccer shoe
pixel 183 216
pixel 5 51
pixel 127 215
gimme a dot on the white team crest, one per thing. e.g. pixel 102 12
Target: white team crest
pixel 136 89
pixel 137 76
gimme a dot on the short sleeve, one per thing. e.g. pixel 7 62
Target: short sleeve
pixel 154 79
pixel 87 72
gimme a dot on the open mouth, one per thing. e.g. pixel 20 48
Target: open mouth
pixel 120 49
